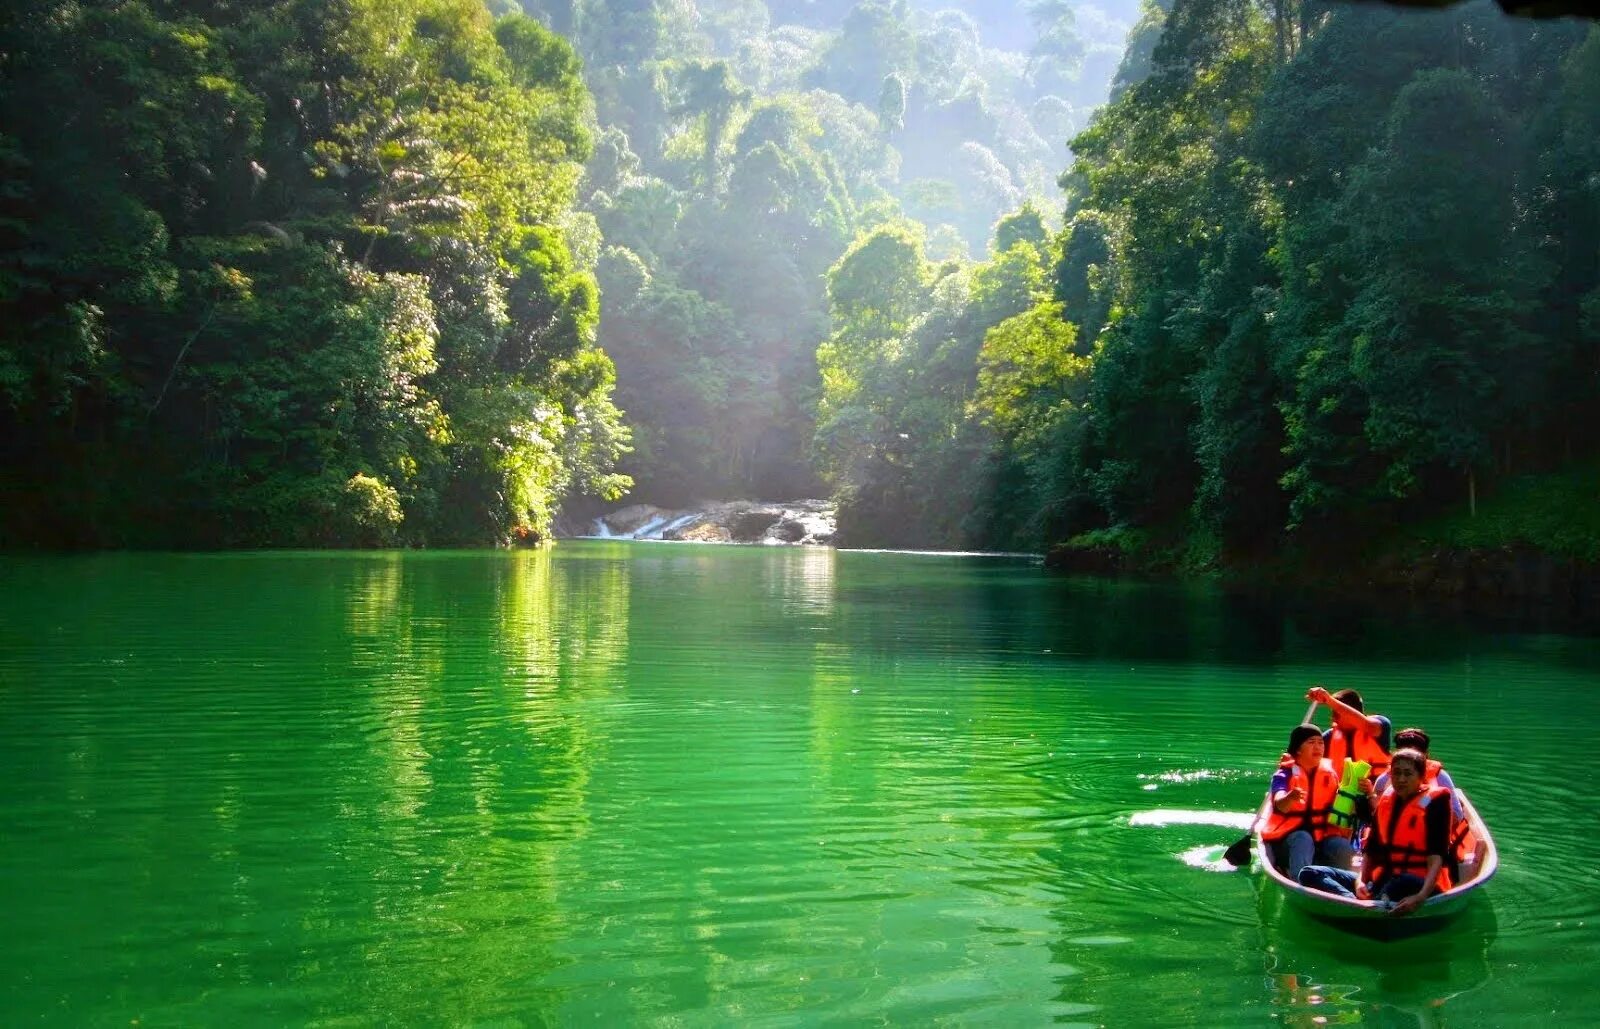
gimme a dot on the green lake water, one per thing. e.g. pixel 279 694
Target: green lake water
pixel 660 784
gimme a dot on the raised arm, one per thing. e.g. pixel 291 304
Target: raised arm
pixel 1344 716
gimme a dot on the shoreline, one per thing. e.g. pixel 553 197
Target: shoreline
pixel 1517 584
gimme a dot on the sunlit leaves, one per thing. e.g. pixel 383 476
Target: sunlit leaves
pixel 318 273
pixel 877 286
pixel 1026 366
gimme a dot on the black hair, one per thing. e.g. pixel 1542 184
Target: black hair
pixel 1350 697
pixel 1299 734
pixel 1413 738
pixel 1410 757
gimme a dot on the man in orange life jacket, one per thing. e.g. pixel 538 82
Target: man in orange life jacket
pixel 1302 796
pixel 1433 772
pixel 1466 850
pixel 1355 734
pixel 1407 846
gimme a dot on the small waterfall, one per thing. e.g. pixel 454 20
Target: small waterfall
pixel 808 522
pixel 678 523
pixel 655 528
pixel 652 526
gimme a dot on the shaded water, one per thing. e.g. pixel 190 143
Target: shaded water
pixel 675 784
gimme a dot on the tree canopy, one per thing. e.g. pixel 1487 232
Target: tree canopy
pixel 1245 276
pixel 296 273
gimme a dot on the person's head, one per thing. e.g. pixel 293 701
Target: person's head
pixel 1405 772
pixel 1350 697
pixel 1412 739
pixel 1305 744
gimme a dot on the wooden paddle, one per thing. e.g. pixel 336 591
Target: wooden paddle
pixel 1238 855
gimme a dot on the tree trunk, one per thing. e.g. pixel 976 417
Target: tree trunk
pixel 1280 30
pixel 1472 493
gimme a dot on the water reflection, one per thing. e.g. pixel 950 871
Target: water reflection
pixel 647 784
pixel 1321 975
pixel 480 670
pixel 803 581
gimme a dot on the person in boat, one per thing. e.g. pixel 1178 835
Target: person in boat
pixel 1407 845
pixel 1302 795
pixel 1465 849
pixel 1433 772
pixel 1355 734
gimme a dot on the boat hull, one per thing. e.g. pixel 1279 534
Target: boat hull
pixel 1374 918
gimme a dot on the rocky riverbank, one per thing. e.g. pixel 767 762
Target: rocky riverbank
pixel 787 523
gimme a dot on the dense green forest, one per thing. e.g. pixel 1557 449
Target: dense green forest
pixel 294 273
pixel 743 146
pixel 1326 268
pixel 305 272
pixel 1226 277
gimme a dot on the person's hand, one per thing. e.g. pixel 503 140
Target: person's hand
pixel 1362 893
pixel 1319 695
pixel 1294 795
pixel 1365 785
pixel 1408 905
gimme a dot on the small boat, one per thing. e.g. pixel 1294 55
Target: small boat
pixel 1373 917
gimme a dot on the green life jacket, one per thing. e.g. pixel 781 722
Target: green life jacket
pixel 1343 813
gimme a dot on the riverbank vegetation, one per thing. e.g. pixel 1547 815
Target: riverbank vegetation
pixel 1552 513
pixel 1311 279
pixel 1327 271
pixel 294 273
pixel 744 148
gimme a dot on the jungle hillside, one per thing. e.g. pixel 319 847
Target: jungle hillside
pixel 1196 284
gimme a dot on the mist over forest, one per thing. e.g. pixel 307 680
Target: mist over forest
pixel 743 146
pixel 1202 280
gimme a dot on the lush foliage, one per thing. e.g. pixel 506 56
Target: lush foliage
pixel 355 271
pixel 743 146
pixel 1551 513
pixel 1325 268
pixel 293 273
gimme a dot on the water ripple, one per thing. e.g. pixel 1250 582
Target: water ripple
pixel 669 785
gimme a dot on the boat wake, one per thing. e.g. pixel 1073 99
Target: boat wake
pixel 1179 816
pixel 1208 857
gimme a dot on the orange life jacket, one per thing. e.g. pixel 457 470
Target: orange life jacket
pixel 1365 749
pixel 1463 844
pixel 1407 852
pixel 1311 811
pixel 1463 841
